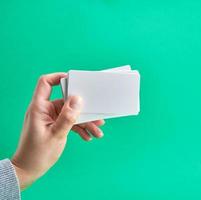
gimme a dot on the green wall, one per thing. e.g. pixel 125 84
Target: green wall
pixel 156 155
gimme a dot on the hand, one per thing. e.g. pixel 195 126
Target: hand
pixel 45 130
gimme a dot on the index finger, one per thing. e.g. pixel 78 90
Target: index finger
pixel 45 83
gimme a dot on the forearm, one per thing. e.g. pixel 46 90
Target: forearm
pixel 9 184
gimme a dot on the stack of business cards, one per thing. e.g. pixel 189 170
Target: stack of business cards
pixel 106 94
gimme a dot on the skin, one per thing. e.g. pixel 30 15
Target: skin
pixel 45 130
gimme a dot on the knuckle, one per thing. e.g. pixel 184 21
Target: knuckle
pixel 69 117
pixel 42 79
pixel 32 110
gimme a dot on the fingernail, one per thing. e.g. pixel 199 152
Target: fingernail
pixel 64 74
pixel 76 103
pixel 103 122
pixel 100 133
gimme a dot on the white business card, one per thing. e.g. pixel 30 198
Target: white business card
pixel 106 94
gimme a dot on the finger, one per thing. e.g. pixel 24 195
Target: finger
pixel 82 132
pixel 93 129
pixel 99 122
pixel 68 116
pixel 45 83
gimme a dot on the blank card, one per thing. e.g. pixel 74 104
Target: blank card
pixel 106 94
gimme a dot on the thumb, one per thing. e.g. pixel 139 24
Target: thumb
pixel 68 116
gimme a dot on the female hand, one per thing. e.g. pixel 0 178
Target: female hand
pixel 45 130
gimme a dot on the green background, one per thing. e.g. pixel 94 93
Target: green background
pixel 156 155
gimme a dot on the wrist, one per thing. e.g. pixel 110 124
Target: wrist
pixel 24 178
